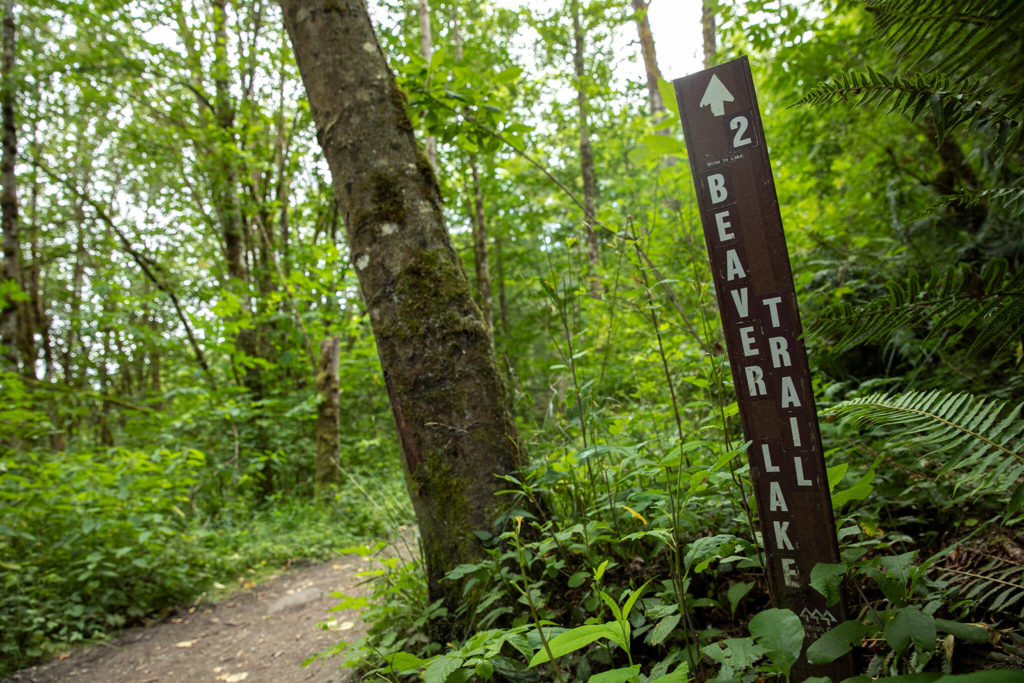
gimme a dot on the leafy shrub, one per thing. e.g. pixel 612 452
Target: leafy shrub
pixel 89 542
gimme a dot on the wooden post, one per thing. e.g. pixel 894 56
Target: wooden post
pixel 756 298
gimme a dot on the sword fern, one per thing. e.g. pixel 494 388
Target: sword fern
pixel 980 436
pixel 988 304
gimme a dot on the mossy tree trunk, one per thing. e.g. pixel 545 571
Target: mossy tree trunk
pixel 447 396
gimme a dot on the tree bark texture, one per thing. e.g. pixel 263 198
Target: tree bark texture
pixel 427 50
pixel 707 27
pixel 643 28
pixel 12 312
pixel 447 396
pixel 328 416
pixel 586 151
pixel 483 272
pixel 478 216
pixel 224 180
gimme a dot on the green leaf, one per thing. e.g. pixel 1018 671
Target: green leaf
pixel 899 565
pixel 836 642
pixel 403 661
pixel 509 75
pixel 735 653
pixel 663 629
pixel 577 579
pixel 836 474
pixel 439 669
pixel 668 96
pixel 970 633
pixel 991 676
pixel 826 578
pixel 622 675
pixel 628 607
pixel 663 145
pixel 575 639
pixel 677 676
pixel 736 592
pixel 1015 505
pixel 858 491
pixel 911 625
pixel 702 551
pixel 436 59
pixel 484 669
pixel 780 632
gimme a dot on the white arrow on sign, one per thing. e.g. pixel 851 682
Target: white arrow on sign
pixel 716 96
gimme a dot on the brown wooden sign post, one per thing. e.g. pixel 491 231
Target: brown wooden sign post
pixel 754 286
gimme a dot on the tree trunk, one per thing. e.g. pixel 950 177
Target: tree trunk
pixel 477 215
pixel 13 332
pixel 75 305
pixel 226 183
pixel 586 153
pixel 643 27
pixel 447 396
pixel 500 272
pixel 227 203
pixel 328 418
pixel 427 50
pixel 483 273
pixel 707 26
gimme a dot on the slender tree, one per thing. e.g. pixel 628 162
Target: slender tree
pixel 650 57
pixel 477 216
pixel 447 396
pixel 707 29
pixel 427 50
pixel 328 416
pixel 13 332
pixel 586 151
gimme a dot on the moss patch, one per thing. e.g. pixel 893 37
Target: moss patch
pixel 431 295
pixel 379 200
pixel 426 171
pixel 398 103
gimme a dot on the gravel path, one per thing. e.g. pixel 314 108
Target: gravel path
pixel 262 633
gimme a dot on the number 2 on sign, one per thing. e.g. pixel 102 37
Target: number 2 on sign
pixel 739 124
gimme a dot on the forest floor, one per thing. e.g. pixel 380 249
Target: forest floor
pixel 262 632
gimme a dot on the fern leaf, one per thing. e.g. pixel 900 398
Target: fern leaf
pixel 957 36
pixel 989 303
pixel 977 435
pixel 963 103
pixel 967 55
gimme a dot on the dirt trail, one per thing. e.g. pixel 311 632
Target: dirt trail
pixel 262 633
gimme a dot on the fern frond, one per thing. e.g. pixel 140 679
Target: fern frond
pixel 969 37
pixel 963 103
pixel 989 303
pixel 969 55
pixel 1010 198
pixel 980 436
pixel 994 586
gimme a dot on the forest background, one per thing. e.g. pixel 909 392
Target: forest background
pixel 191 390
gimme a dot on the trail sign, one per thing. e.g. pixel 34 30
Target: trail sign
pixel 756 298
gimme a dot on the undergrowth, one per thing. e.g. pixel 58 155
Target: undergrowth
pixel 96 541
pixel 643 562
